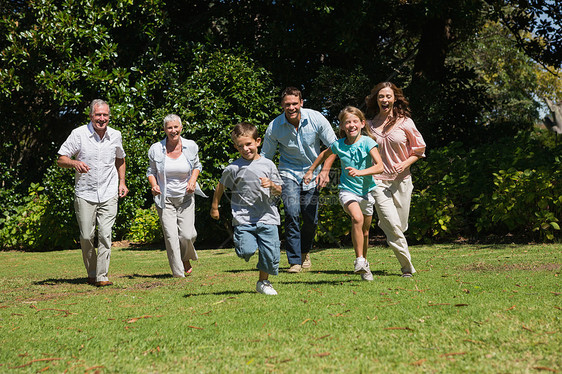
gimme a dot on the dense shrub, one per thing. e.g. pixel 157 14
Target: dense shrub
pixel 511 186
pixel 145 227
pixel 33 224
pixel 528 202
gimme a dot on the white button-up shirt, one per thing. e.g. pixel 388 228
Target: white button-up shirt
pixel 101 183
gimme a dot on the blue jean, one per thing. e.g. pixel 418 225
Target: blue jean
pixel 297 202
pixel 262 237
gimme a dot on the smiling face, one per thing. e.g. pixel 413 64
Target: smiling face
pixel 292 107
pixel 352 126
pixel 173 130
pixel 385 100
pixel 100 118
pixel 247 146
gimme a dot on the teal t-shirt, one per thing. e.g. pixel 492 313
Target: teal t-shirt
pixel 356 156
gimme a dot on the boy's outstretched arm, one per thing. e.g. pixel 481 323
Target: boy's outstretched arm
pixel 216 200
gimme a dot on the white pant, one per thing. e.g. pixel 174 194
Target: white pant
pixel 88 214
pixel 178 225
pixel 392 202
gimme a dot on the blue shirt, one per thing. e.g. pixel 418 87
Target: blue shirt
pixel 298 148
pixel 356 156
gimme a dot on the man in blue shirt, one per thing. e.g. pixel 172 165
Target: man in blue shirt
pixel 298 133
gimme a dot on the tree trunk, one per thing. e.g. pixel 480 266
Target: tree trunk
pixel 432 49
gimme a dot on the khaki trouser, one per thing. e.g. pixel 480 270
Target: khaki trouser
pixel 89 215
pixel 392 202
pixel 178 225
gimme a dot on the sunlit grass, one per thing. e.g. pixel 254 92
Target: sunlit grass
pixel 480 309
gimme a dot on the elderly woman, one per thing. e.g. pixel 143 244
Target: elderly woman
pixel 172 173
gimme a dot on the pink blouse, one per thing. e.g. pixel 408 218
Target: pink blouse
pixel 397 145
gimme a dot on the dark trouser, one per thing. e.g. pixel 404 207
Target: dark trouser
pixel 297 202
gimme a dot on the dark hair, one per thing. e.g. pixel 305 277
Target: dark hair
pixel 401 107
pixel 291 91
pixel 244 129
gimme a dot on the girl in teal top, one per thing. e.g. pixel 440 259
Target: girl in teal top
pixel 360 159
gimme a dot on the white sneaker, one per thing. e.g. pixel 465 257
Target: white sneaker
pixel 361 265
pixel 265 287
pixel 368 276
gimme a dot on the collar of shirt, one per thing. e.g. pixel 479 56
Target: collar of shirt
pixel 95 135
pixel 183 144
pixel 304 121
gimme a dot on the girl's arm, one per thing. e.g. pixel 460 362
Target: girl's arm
pixel 216 200
pixel 319 160
pixel 375 169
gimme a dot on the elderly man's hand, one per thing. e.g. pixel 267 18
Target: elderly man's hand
pixel 123 190
pixel 81 166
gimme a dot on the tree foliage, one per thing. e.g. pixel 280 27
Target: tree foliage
pixel 216 62
pixel 536 25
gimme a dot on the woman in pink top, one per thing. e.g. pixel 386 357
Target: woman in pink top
pixel 400 145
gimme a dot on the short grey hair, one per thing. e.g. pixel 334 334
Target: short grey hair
pixel 172 118
pixel 98 102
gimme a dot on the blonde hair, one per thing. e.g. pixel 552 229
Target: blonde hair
pixel 351 110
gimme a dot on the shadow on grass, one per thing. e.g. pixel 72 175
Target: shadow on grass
pixel 321 282
pixel 156 276
pixel 53 281
pixel 240 271
pixel 144 247
pixel 382 273
pixel 219 293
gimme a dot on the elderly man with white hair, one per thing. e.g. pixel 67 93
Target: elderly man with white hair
pixel 96 152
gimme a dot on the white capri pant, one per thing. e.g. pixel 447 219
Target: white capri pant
pixel 392 202
pixel 178 225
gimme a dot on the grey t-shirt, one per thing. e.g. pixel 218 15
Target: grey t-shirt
pixel 251 203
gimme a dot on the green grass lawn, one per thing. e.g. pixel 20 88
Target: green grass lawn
pixel 470 308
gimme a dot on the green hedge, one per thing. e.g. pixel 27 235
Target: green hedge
pixel 511 187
